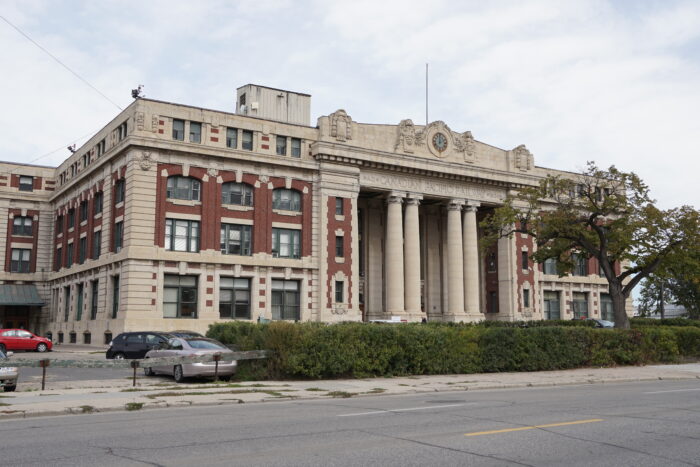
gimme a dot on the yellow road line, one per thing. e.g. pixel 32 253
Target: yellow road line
pixel 549 425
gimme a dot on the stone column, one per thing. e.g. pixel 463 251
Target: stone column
pixel 393 251
pixel 471 262
pixel 455 268
pixel 412 291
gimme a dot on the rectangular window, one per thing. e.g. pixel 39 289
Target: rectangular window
pixel 179 130
pixel 101 148
pixel 22 225
pixel 181 235
pixel 66 303
pixel 58 259
pixel 526 298
pixel 285 300
pixel 281 145
pixel 121 131
pixel 179 296
pixel 234 298
pixel 115 296
pixel 339 209
pixel 606 307
pixel 296 147
pixel 59 225
pixel 551 305
pixel 83 211
pixel 579 304
pixel 339 285
pixel 71 218
pixel 550 266
pixel 94 291
pixel 236 239
pixel 119 191
pixel 286 243
pixel 491 264
pixel 580 265
pixel 524 260
pixel 97 203
pixel 493 302
pixel 82 250
pixel 232 138
pixel 20 260
pixel 118 236
pixel 69 255
pixel 247 140
pixel 96 244
pixel 339 250
pixel 79 309
pixel 195 132
pixel 26 183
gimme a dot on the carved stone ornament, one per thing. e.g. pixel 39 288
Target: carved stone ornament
pixel 146 160
pixel 140 120
pixel 212 172
pixel 341 125
pixel 339 310
pixel 405 136
pixel 264 178
pixel 438 138
pixel 154 123
pixel 465 144
pixel 522 158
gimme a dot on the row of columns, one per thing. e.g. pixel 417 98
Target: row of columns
pixel 402 258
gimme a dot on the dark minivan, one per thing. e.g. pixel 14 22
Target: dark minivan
pixel 135 344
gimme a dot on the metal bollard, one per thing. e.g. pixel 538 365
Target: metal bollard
pixel 217 357
pixel 134 365
pixel 43 364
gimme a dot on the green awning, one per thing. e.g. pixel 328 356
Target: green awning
pixel 20 295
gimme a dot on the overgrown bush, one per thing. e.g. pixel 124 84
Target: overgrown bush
pixel 359 350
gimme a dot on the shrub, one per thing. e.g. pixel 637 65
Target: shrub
pixel 638 322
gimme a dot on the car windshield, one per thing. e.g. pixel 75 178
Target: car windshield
pixel 205 344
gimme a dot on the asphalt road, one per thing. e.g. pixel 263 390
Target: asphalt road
pixel 628 424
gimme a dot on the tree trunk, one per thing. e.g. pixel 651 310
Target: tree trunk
pixel 661 300
pixel 618 302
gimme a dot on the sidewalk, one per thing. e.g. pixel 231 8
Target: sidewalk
pixel 118 394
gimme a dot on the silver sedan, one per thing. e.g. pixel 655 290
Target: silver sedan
pixel 192 347
pixel 8 374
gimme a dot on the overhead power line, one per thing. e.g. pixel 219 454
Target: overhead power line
pixel 60 62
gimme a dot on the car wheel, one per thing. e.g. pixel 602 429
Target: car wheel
pixel 148 371
pixel 177 374
pixel 225 378
pixel 119 356
pixel 42 347
pixel 3 349
pixel 10 388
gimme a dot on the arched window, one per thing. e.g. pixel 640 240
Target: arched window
pixel 184 188
pixel 288 200
pixel 240 194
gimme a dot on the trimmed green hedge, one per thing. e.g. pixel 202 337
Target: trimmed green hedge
pixel 638 322
pixel 360 350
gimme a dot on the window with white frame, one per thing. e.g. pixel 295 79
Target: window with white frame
pixel 179 296
pixel 247 140
pixel 179 130
pixel 195 132
pixel 26 183
pixel 286 300
pixel 22 225
pixel 286 243
pixel 234 298
pixel 240 194
pixel 232 138
pixel 286 199
pixel 281 145
pixel 20 260
pixel 181 235
pixel 579 304
pixel 186 188
pixel 236 239
pixel 551 305
pixel 296 147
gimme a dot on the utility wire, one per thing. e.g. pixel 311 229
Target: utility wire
pixel 60 62
pixel 54 151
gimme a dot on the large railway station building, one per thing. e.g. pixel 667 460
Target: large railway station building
pixel 177 217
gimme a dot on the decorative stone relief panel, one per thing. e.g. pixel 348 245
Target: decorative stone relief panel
pixel 405 136
pixel 146 160
pixel 522 158
pixel 140 120
pixel 341 125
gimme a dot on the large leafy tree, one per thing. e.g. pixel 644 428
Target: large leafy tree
pixel 602 213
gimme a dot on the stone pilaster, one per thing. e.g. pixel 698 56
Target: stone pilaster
pixel 412 289
pixel 394 256
pixel 471 263
pixel 455 257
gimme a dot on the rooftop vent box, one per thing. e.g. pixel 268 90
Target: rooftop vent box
pixel 274 104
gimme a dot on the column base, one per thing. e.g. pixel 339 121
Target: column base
pixel 462 317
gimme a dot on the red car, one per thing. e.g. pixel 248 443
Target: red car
pixel 20 339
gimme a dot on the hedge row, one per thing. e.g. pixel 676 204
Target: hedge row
pixel 637 322
pixel 359 350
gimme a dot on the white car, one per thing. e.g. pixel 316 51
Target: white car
pixel 8 374
pixel 192 347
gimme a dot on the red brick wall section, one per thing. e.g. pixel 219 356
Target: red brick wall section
pixel 33 240
pixel 163 206
pixel 116 212
pixel 333 266
pixel 522 275
pixel 490 273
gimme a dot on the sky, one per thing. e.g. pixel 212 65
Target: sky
pixel 615 82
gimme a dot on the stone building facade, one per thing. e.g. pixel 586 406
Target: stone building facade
pixel 177 217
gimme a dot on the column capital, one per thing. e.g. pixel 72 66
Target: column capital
pixel 412 201
pixel 455 205
pixel 394 199
pixel 471 208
